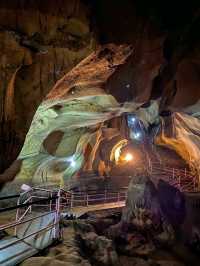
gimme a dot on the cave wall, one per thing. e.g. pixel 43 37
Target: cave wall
pixel 40 42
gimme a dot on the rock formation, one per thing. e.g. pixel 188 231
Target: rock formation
pixel 70 117
pixel 40 42
pixel 182 135
pixel 43 41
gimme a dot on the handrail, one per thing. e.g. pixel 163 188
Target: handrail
pixel 184 180
pixel 10 197
pixel 26 204
pixel 3 227
pixel 27 236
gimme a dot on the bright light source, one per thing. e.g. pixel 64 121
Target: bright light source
pixel 133 119
pixel 137 135
pixel 71 161
pixel 128 157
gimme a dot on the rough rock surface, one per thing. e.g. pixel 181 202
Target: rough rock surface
pixel 158 210
pixel 67 253
pixel 70 117
pixel 182 135
pixel 41 41
pixel 83 245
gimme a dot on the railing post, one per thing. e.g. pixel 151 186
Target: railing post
pixel 72 199
pixel 118 197
pixel 173 174
pixel 87 200
pixel 17 215
pixel 51 202
pixel 57 214
pixel 31 202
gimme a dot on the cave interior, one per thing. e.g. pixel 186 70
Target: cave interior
pixel 99 95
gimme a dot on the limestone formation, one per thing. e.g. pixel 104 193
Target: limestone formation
pixel 69 118
pixel 182 135
pixel 40 42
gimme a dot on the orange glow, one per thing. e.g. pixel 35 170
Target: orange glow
pixel 128 157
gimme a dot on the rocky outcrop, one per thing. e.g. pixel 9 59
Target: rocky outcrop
pixel 155 208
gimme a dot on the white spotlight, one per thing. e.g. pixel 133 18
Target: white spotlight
pixel 137 135
pixel 133 119
pixel 72 163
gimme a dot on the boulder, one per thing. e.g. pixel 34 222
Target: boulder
pixel 142 206
pixel 82 226
pixel 148 211
pixel 104 252
pixel 99 248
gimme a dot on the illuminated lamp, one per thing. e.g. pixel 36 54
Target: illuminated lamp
pixel 128 157
pixel 137 135
pixel 71 161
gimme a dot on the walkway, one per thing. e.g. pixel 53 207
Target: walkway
pixel 38 216
pixel 39 212
pixel 78 211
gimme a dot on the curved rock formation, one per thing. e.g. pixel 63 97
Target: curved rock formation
pixel 40 42
pixel 70 117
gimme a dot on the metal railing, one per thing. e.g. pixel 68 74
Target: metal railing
pixel 53 202
pixel 25 206
pixel 183 179
pixel 85 199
